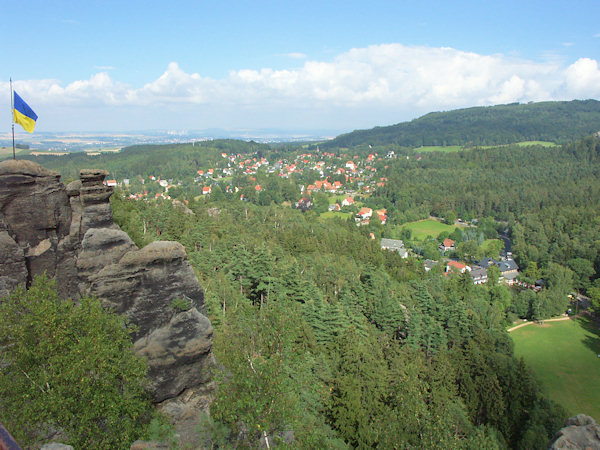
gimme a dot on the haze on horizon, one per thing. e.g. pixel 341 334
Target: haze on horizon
pixel 112 66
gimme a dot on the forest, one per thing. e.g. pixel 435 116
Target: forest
pixel 559 122
pixel 350 346
pixel 326 341
pixel 348 343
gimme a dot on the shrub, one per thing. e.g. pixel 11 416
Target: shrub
pixel 68 367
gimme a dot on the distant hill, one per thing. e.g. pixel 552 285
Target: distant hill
pixel 558 122
pixel 168 160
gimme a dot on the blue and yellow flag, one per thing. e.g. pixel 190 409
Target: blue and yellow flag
pixel 23 114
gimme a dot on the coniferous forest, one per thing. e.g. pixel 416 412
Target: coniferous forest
pixel 323 340
pixel 323 336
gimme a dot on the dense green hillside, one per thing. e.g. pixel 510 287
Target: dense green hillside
pixel 495 125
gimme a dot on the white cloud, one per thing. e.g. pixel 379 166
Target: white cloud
pixel 582 79
pixel 398 79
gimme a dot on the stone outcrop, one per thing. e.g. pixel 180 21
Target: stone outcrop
pixel 13 270
pixel 579 432
pixel 35 212
pixel 69 233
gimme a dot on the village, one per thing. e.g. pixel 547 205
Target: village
pixel 310 173
pixel 346 181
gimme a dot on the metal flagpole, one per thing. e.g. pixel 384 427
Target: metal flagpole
pixel 12 115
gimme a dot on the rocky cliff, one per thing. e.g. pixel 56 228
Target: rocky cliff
pixel 68 232
pixel 579 432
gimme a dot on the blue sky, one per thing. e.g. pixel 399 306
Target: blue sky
pixel 339 65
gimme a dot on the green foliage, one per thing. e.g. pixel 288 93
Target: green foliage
pixel 181 304
pixel 492 125
pixel 70 367
pixel 266 373
pixel 358 390
pixel 160 429
pixel 320 332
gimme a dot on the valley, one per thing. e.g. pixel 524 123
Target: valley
pixel 360 295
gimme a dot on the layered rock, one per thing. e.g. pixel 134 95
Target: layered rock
pixel 69 233
pixel 35 212
pixel 13 269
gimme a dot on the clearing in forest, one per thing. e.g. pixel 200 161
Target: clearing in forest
pixel 429 227
pixel 564 357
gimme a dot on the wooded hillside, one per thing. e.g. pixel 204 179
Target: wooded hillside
pixel 558 122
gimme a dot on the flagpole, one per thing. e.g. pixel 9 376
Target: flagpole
pixel 12 115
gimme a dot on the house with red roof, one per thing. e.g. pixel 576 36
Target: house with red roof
pixel 448 244
pixel 364 213
pixel 455 266
pixel 348 201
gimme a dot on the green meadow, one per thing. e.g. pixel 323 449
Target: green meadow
pixel 429 227
pixel 540 143
pixel 458 148
pixel 564 357
pixel 524 144
pixel 334 214
pixel 439 148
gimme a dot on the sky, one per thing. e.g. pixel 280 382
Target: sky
pixel 297 65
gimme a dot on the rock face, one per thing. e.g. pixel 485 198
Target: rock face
pixel 580 432
pixel 69 233
pixel 35 212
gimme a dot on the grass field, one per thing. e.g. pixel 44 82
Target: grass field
pixel 564 357
pixel 524 144
pixel 542 143
pixel 439 148
pixel 458 148
pixel 423 228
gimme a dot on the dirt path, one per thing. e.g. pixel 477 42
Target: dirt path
pixel 545 320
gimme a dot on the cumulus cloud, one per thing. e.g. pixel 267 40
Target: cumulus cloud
pixel 582 78
pixel 387 77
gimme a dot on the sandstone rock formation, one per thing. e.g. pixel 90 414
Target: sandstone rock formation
pixel 68 232
pixel 579 432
